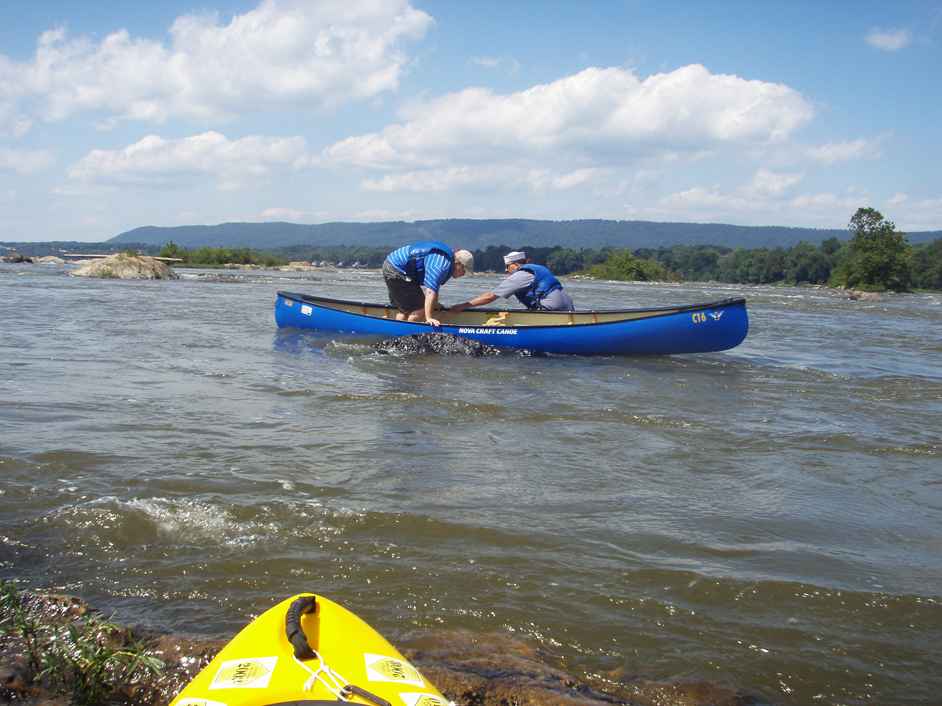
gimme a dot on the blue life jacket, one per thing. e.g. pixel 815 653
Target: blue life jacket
pixel 543 283
pixel 410 259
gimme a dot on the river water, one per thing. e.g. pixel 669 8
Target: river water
pixel 769 518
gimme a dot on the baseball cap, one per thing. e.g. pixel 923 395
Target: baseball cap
pixel 466 259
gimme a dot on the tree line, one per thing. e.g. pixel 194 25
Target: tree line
pixel 876 256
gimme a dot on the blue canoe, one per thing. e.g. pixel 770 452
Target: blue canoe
pixel 692 328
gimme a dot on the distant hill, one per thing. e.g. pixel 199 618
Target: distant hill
pixel 478 234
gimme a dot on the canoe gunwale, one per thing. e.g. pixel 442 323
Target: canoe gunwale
pixel 653 312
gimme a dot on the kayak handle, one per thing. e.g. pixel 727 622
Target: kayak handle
pixel 293 631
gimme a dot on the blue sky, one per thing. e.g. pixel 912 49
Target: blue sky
pixel 116 115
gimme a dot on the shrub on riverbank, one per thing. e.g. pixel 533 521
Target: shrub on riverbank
pixel 72 651
pixel 623 266
pixel 217 257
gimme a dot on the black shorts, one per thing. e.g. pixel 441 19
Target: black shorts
pixel 404 294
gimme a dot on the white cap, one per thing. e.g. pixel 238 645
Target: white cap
pixel 515 256
pixel 466 259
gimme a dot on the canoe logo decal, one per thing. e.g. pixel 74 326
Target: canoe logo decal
pixel 306 310
pixel 251 673
pixel 497 330
pixel 699 317
pixel 382 668
pixel 423 700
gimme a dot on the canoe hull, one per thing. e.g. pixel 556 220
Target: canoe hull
pixel 689 329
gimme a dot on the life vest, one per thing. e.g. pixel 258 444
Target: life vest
pixel 410 259
pixel 543 283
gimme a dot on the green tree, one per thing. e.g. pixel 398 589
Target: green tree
pixel 562 261
pixel 622 265
pixel 927 265
pixel 806 263
pixel 171 249
pixel 877 257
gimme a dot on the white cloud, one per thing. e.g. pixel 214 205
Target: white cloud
pixel 297 52
pixel 482 178
pixel 25 161
pixel 766 193
pixel 159 162
pixel 488 62
pixel 12 122
pixel 497 62
pixel 889 39
pixel 829 202
pixel 924 214
pixel 768 183
pixel 700 197
pixel 833 152
pixel 898 199
pixel 597 117
pixel 283 214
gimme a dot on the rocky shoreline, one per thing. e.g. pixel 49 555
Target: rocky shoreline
pixel 473 670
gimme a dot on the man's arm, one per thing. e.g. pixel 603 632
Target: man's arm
pixel 431 303
pixel 479 300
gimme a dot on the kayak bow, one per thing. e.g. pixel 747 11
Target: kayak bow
pixel 309 651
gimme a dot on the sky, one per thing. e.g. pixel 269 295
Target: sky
pixel 115 115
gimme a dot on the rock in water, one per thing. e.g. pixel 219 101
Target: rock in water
pixel 126 266
pixel 858 295
pixel 440 343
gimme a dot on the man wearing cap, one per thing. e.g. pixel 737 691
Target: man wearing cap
pixel 534 285
pixel 415 272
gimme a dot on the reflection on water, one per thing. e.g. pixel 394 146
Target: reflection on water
pixel 767 518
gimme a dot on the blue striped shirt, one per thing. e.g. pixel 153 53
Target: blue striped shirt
pixel 437 271
pixel 437 267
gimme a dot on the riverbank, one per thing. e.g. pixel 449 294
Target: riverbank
pixel 58 649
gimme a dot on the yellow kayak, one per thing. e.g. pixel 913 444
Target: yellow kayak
pixel 309 651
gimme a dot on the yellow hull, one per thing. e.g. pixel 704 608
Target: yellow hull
pixel 331 656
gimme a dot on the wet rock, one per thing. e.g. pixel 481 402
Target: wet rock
pixel 297 266
pixel 858 295
pixel 16 258
pixel 438 343
pixel 126 266
pixel 496 670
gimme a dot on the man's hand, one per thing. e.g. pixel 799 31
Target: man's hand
pixel 433 322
